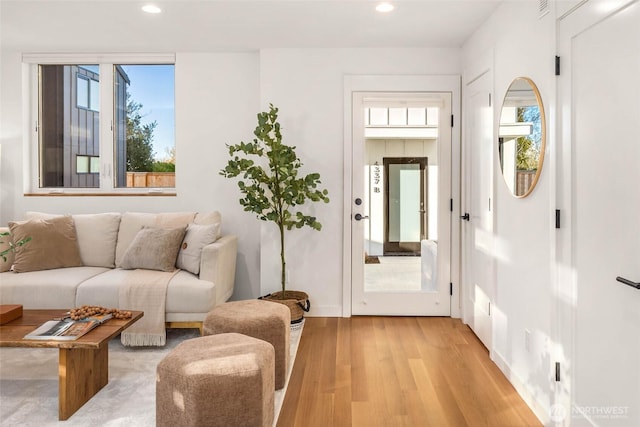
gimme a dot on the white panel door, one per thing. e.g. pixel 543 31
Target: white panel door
pixel 602 46
pixel 393 292
pixel 478 229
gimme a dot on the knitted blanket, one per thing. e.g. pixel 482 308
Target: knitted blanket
pixel 146 291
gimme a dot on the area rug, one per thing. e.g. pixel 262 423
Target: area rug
pixel 29 385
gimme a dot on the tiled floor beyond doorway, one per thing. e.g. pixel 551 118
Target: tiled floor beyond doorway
pixel 393 273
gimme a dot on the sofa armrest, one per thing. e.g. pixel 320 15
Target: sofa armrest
pixel 218 265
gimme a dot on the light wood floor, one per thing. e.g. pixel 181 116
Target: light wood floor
pixel 397 371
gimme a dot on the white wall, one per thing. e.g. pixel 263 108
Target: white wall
pixel 523 45
pixel 307 86
pixel 217 98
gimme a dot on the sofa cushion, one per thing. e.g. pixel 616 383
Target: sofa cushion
pixel 209 218
pixel 174 219
pixel 97 237
pixel 132 222
pixel 4 245
pixel 185 292
pixel 102 289
pixel 54 244
pixel 197 237
pixel 154 249
pixel 47 289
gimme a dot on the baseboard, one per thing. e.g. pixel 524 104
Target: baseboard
pixel 324 311
pixel 539 409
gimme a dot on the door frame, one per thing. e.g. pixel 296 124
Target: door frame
pixel 409 84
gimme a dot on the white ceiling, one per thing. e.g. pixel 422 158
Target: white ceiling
pixel 235 25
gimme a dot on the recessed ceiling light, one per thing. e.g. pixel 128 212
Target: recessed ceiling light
pixel 150 8
pixel 384 7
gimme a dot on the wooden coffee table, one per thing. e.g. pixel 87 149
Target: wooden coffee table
pixel 83 364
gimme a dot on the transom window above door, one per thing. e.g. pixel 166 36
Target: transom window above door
pixel 401 122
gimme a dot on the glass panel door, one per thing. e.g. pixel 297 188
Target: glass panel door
pixel 405 205
pixel 401 188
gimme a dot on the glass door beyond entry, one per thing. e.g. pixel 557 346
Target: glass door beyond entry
pixel 405 206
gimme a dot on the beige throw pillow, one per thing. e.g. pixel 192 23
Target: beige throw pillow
pixel 54 244
pixel 196 238
pixel 154 249
pixel 132 223
pixel 97 236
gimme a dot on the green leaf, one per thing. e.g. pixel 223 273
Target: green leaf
pixel 269 185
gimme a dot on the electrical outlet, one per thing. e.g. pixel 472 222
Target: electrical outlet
pixel 527 340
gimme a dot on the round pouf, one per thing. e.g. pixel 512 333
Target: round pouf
pixel 268 321
pixel 220 380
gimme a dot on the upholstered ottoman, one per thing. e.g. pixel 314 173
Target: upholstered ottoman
pixel 269 321
pixel 220 380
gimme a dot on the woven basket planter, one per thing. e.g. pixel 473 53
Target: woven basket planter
pixel 297 301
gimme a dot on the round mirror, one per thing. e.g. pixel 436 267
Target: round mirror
pixel 521 136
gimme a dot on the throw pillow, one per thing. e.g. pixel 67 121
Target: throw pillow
pixel 196 238
pixel 29 215
pixel 97 236
pixel 4 245
pixel 154 249
pixel 130 224
pixel 54 244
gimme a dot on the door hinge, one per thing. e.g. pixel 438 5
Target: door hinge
pixel 489 100
pixel 557 65
pixel 450 205
pixel 452 120
pixel 450 288
pixel 557 218
pixel 557 371
pixel 489 309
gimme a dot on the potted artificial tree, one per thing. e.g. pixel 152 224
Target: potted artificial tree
pixel 268 180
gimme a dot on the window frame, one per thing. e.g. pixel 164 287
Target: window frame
pixel 106 62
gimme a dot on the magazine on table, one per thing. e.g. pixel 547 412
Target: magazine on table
pixel 66 329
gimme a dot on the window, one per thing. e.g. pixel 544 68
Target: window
pixel 401 122
pixel 144 125
pixel 87 164
pixel 107 126
pixel 87 87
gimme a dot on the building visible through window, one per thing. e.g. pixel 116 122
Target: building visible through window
pixel 68 129
pixel 70 123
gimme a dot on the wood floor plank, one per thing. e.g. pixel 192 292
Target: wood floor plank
pixel 397 371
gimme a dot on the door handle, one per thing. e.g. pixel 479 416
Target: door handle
pixel 465 217
pixel 359 217
pixel 628 282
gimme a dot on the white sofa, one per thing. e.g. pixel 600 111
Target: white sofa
pixel 103 240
